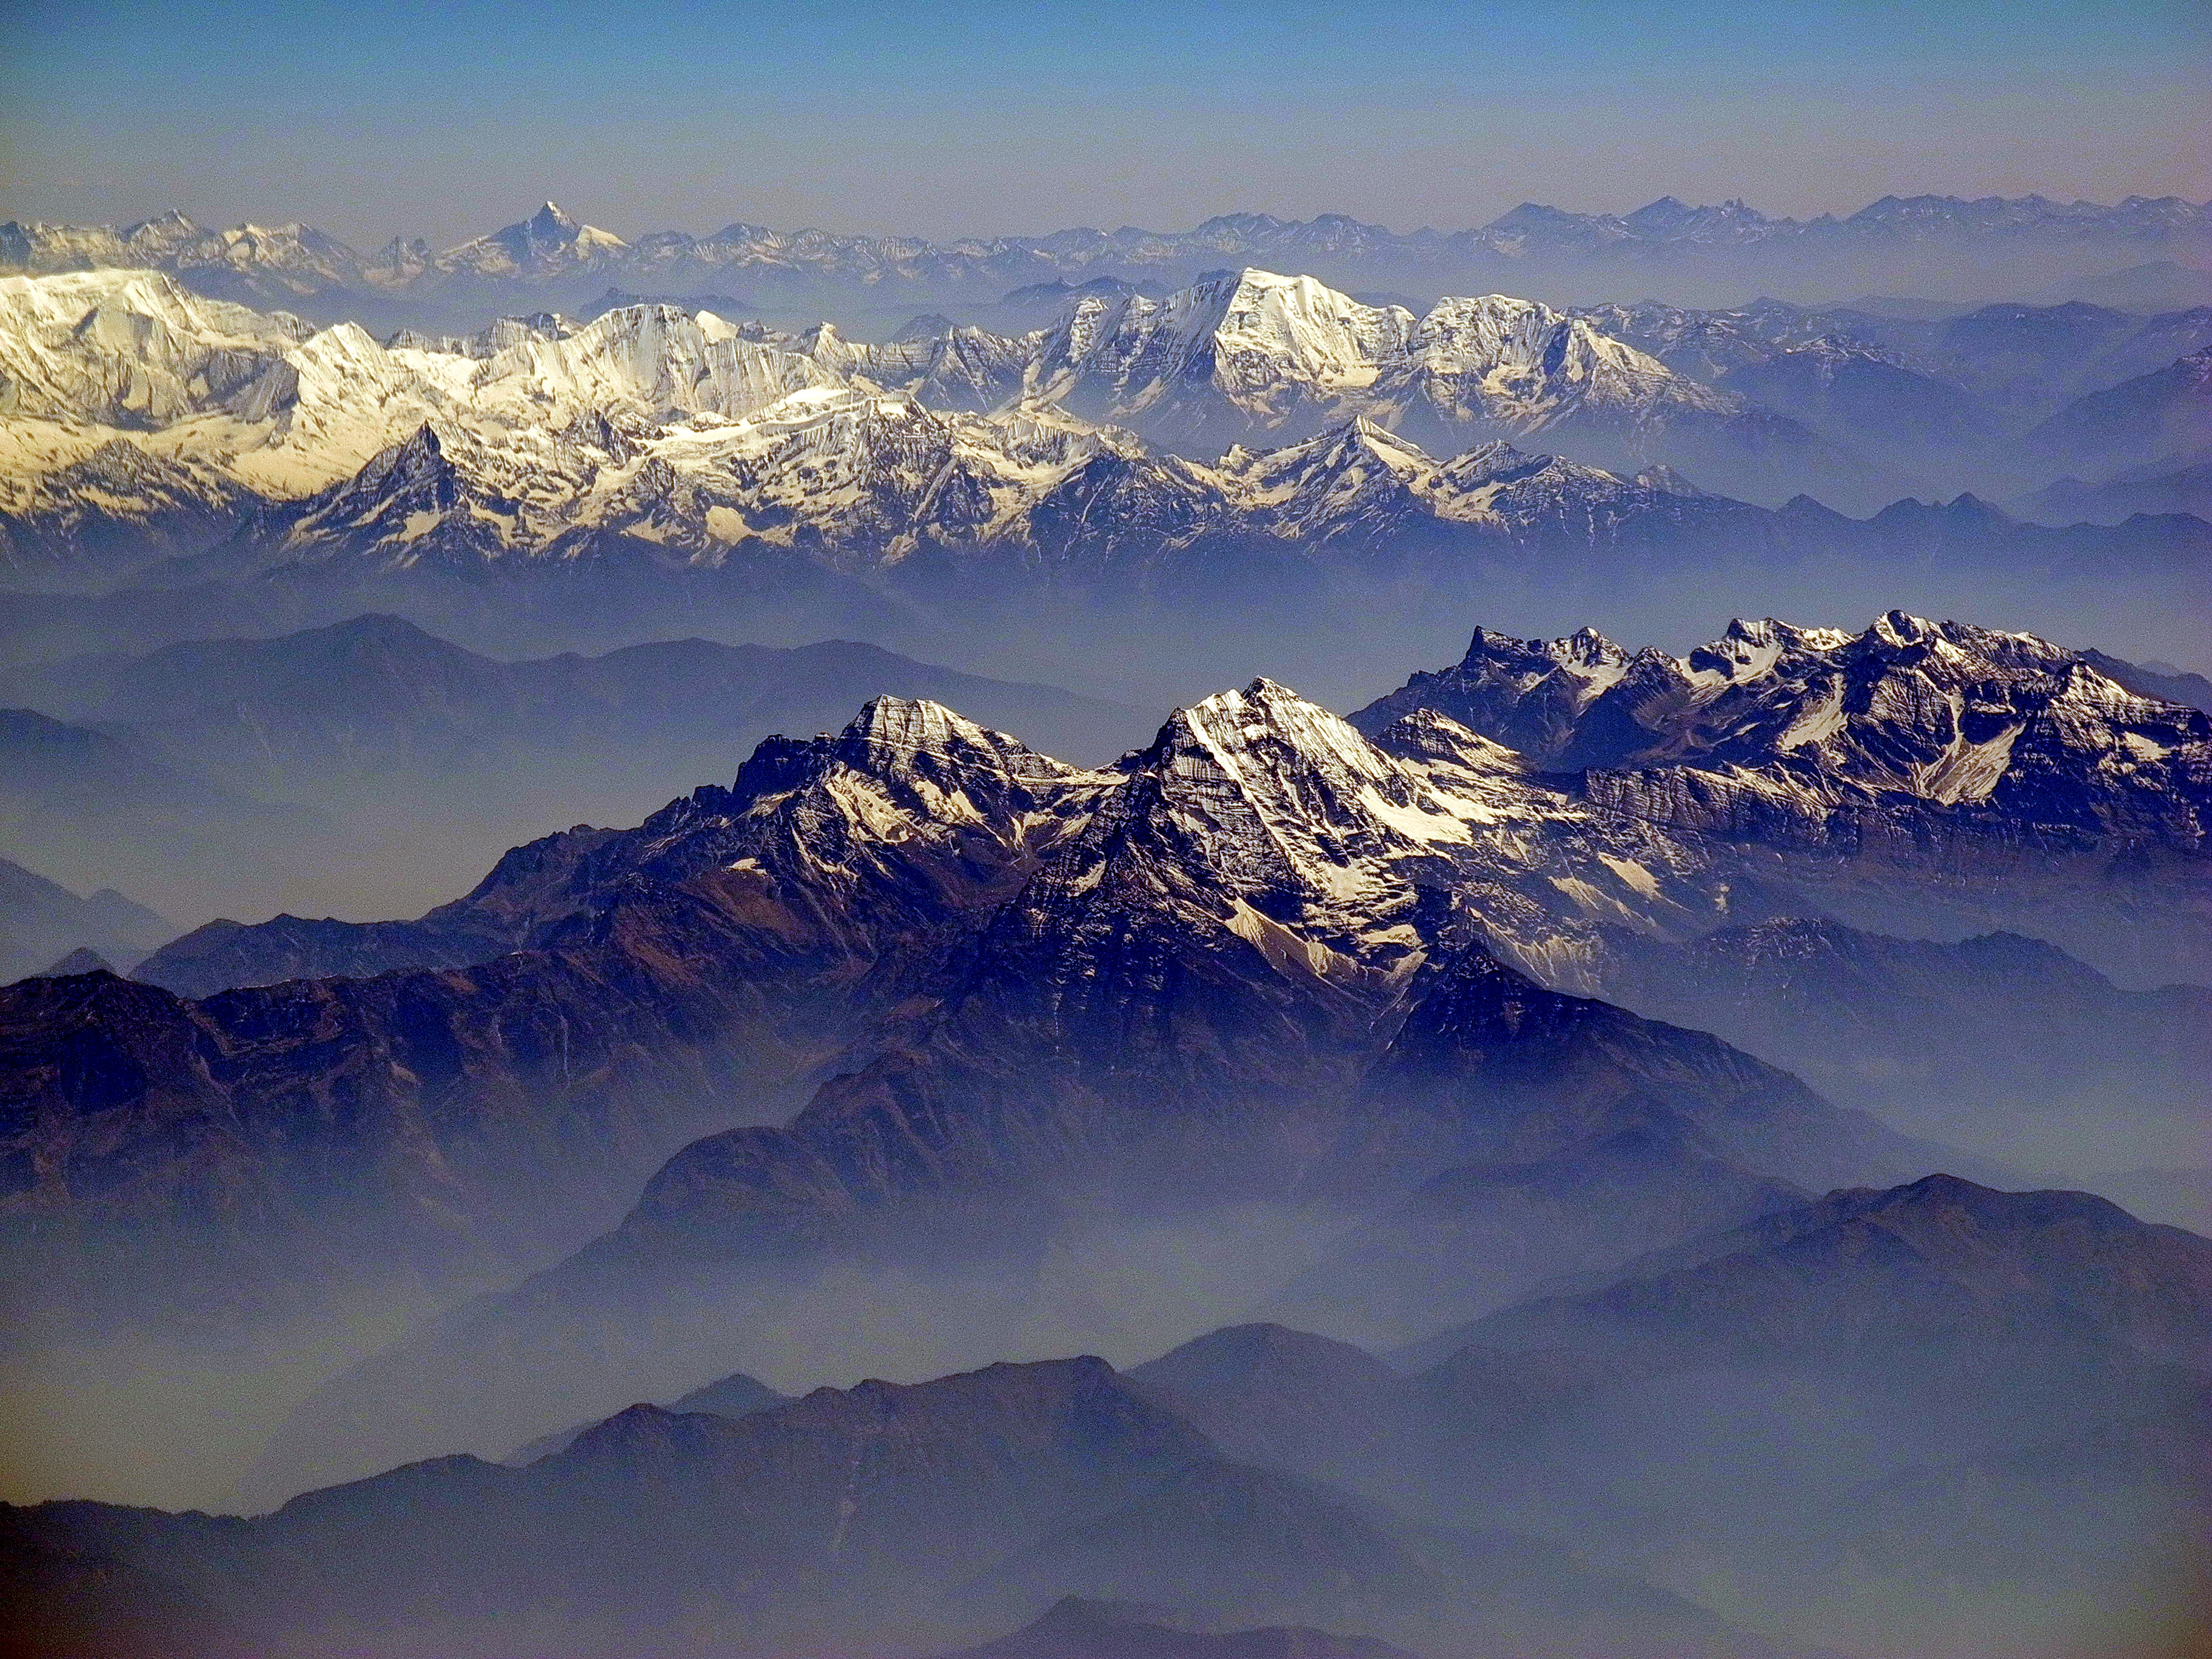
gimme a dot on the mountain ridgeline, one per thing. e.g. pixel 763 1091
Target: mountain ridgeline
pixel 1262 1491
pixel 551 258
pixel 1248 406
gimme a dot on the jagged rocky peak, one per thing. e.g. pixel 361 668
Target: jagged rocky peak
pixel 1258 812
pixel 1666 481
pixel 550 221
pixel 1749 647
pixel 1813 720
pixel 1264 737
pixel 1326 332
pixel 901 732
pixel 904 773
pixel 1585 652
pixel 1527 695
pixel 402 491
pixel 907 786
pixel 1255 813
pixel 1432 740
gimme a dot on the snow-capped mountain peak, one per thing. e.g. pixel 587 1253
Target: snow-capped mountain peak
pixel 1273 327
pixel 549 242
pixel 677 427
pixel 1782 724
pixel 1258 815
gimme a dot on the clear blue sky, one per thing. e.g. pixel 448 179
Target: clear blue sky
pixel 944 118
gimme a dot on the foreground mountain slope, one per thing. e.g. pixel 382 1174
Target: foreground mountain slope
pixel 874 1514
pixel 1933 1420
pixel 2042 1351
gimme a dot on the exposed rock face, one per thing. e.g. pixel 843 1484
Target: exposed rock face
pixel 1940 713
pixel 2013 764
pixel 675 975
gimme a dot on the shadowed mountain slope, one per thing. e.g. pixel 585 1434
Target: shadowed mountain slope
pixel 880 1514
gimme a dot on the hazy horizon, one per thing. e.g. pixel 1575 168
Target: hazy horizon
pixel 955 122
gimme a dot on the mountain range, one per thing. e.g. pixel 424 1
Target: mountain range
pixel 1237 1480
pixel 952 978
pixel 963 468
pixel 553 252
pixel 2020 756
pixel 915 1054
pixel 1584 1150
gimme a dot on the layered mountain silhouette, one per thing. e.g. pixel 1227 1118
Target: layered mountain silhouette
pixel 94 805
pixel 1232 1483
pixel 377 698
pixel 1951 1039
pixel 42 923
pixel 1914 1418
pixel 915 1043
pixel 2164 413
pixel 881 1512
pixel 1892 245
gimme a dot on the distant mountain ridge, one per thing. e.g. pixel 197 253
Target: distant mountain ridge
pixel 949 1507
pixel 377 696
pixel 41 921
pixel 250 261
pixel 666 440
